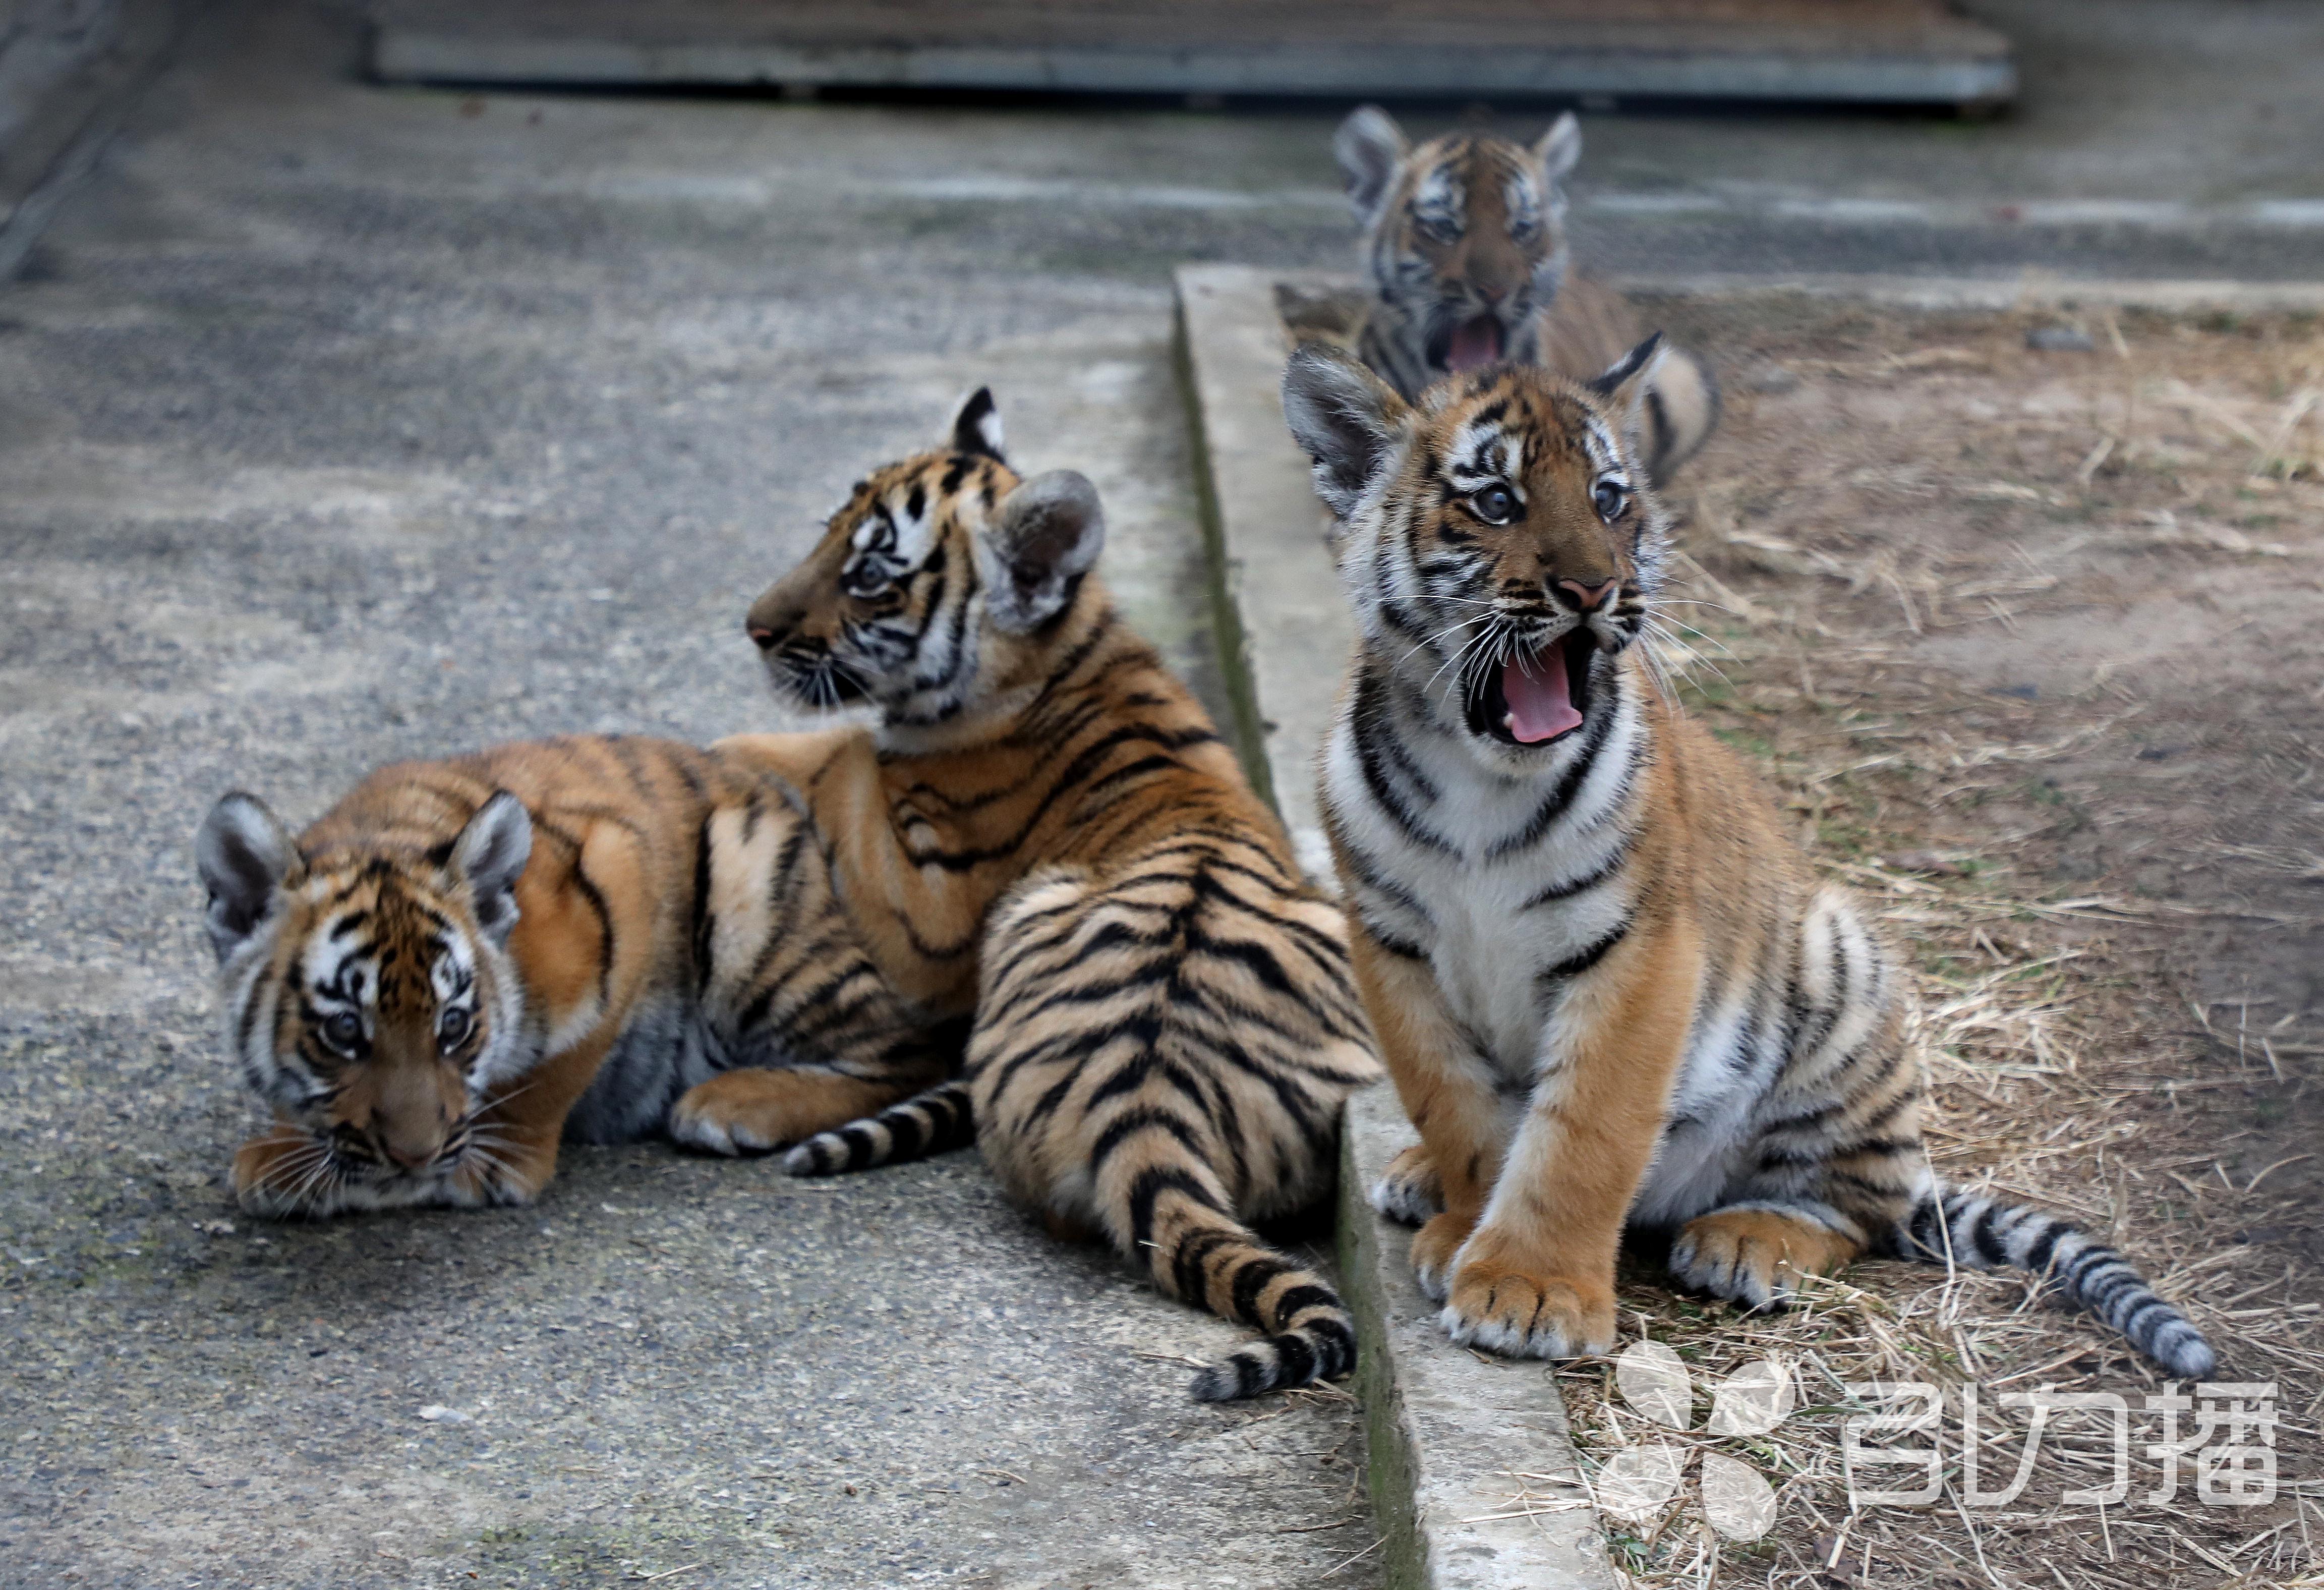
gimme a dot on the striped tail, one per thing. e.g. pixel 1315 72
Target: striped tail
pixel 1985 1234
pixel 929 1123
pixel 1177 1216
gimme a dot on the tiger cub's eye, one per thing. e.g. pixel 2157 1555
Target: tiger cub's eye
pixel 452 1028
pixel 1611 500
pixel 343 1030
pixel 1495 504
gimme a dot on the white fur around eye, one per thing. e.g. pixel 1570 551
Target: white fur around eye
pixel 454 971
pixel 333 963
pixel 1522 196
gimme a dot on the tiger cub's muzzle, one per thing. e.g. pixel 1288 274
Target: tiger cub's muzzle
pixel 1541 690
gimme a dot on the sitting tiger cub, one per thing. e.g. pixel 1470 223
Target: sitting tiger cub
pixel 1608 988
pixel 1467 264
pixel 599 939
pixel 1045 827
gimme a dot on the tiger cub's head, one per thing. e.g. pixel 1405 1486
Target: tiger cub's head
pixel 370 995
pixel 1463 238
pixel 939 585
pixel 1500 539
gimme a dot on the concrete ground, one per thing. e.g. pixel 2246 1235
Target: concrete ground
pixel 339 424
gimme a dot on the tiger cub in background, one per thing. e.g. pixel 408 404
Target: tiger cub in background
pixel 1045 827
pixel 464 961
pixel 1467 264
pixel 1609 989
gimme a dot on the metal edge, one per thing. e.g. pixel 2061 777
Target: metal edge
pixel 1966 76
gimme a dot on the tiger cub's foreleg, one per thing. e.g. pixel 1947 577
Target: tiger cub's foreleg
pixel 1523 1255
pixel 1448 1092
pixel 759 1108
pixel 1538 1277
pixel 1409 1189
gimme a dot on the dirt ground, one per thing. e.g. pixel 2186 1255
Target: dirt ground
pixel 2030 642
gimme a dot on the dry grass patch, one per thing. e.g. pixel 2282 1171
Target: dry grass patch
pixel 2028 642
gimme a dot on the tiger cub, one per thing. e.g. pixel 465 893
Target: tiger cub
pixel 1467 264
pixel 594 939
pixel 1607 987
pixel 1044 828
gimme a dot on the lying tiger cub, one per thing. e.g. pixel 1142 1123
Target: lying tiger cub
pixel 1466 265
pixel 597 938
pixel 1608 988
pixel 1045 827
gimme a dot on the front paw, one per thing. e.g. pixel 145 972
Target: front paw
pixel 1433 1246
pixel 1507 1310
pixel 1409 1189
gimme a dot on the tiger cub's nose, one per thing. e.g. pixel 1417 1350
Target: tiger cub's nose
pixel 1589 598
pixel 761 637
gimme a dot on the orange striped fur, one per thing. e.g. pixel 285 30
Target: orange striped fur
pixel 466 962
pixel 1612 994
pixel 1044 828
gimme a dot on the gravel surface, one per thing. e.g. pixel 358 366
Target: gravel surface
pixel 336 426
pixel 339 424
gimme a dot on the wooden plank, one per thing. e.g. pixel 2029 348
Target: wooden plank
pixel 1887 50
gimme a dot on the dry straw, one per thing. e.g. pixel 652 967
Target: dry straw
pixel 1969 492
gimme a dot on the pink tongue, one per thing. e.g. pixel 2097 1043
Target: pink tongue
pixel 1541 707
pixel 1477 343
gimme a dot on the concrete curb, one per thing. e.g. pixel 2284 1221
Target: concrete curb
pixel 1281 606
pixel 1456 1439
pixel 1474 1477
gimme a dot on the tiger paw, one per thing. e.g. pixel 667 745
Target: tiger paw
pixel 1507 1310
pixel 1755 1257
pixel 753 1111
pixel 1408 1190
pixel 1433 1247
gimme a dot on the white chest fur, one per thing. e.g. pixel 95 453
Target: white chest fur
pixel 1495 879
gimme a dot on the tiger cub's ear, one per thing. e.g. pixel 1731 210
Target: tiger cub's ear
pixel 1043 537
pixel 1625 388
pixel 488 856
pixel 1560 148
pixel 976 429
pixel 243 854
pixel 1370 147
pixel 1345 419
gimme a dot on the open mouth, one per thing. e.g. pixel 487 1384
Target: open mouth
pixel 1539 700
pixel 1474 345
